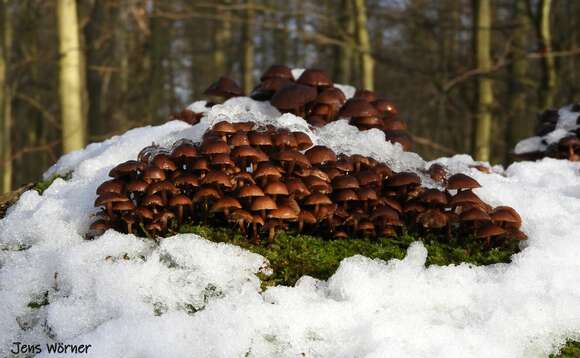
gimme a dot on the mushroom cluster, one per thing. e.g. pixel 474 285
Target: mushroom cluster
pixel 561 141
pixel 262 180
pixel 314 97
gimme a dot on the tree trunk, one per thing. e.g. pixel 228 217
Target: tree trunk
pixel 157 61
pixel 70 77
pixel 5 100
pixel 548 85
pixel 482 52
pixel 248 47
pixel 519 126
pixel 366 60
pixel 222 39
pixel 343 64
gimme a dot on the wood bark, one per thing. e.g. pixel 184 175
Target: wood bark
pixel 366 59
pixel 483 62
pixel 248 47
pixel 5 100
pixel 519 126
pixel 344 53
pixel 222 39
pixel 70 77
pixel 549 75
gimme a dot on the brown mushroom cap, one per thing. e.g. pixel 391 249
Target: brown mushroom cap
pixel 403 179
pixel 367 194
pixel 154 174
pixel 465 197
pixel 506 214
pixel 224 87
pixel 303 141
pixel 130 167
pixel 297 187
pixel 367 95
pixel 320 154
pixel 345 195
pixel 250 191
pixel 474 214
pixel 144 213
pixel 292 97
pixel 224 128
pixel 283 213
pixel 217 147
pixel 162 186
pixel 437 172
pixel 111 186
pixel 275 187
pixel 225 203
pixel 137 186
pixel 164 162
pixel 433 197
pixel 218 177
pixel 205 194
pixel 153 200
pixel 239 138
pixel 263 203
pixel 315 78
pixel 489 230
pixel 345 182
pixel 385 106
pixel 433 218
pixel 317 199
pixel 461 181
pixel 357 107
pixel 184 150
pixel 277 71
pixel 331 96
pixel 107 198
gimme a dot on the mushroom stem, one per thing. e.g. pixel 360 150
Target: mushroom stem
pixel 110 210
pixel 180 214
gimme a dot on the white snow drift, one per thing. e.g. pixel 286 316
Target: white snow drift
pixel 190 297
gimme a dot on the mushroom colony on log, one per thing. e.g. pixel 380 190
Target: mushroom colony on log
pixel 313 97
pixel 263 180
pixel 568 147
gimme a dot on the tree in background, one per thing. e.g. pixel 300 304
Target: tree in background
pixel 248 47
pixel 518 125
pixel 367 64
pixel 483 63
pixel 549 76
pixel 5 99
pixel 147 58
pixel 70 77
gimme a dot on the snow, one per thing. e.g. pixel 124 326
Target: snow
pixel 189 297
pixel 567 122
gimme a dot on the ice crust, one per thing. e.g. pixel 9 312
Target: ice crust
pixel 189 297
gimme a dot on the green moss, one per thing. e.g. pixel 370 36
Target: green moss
pixel 570 350
pixel 41 186
pixel 40 301
pixel 293 255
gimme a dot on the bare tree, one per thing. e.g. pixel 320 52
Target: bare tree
pixel 549 75
pixel 483 62
pixel 367 64
pixel 5 99
pixel 518 126
pixel 344 53
pixel 248 47
pixel 70 77
pixel 222 37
